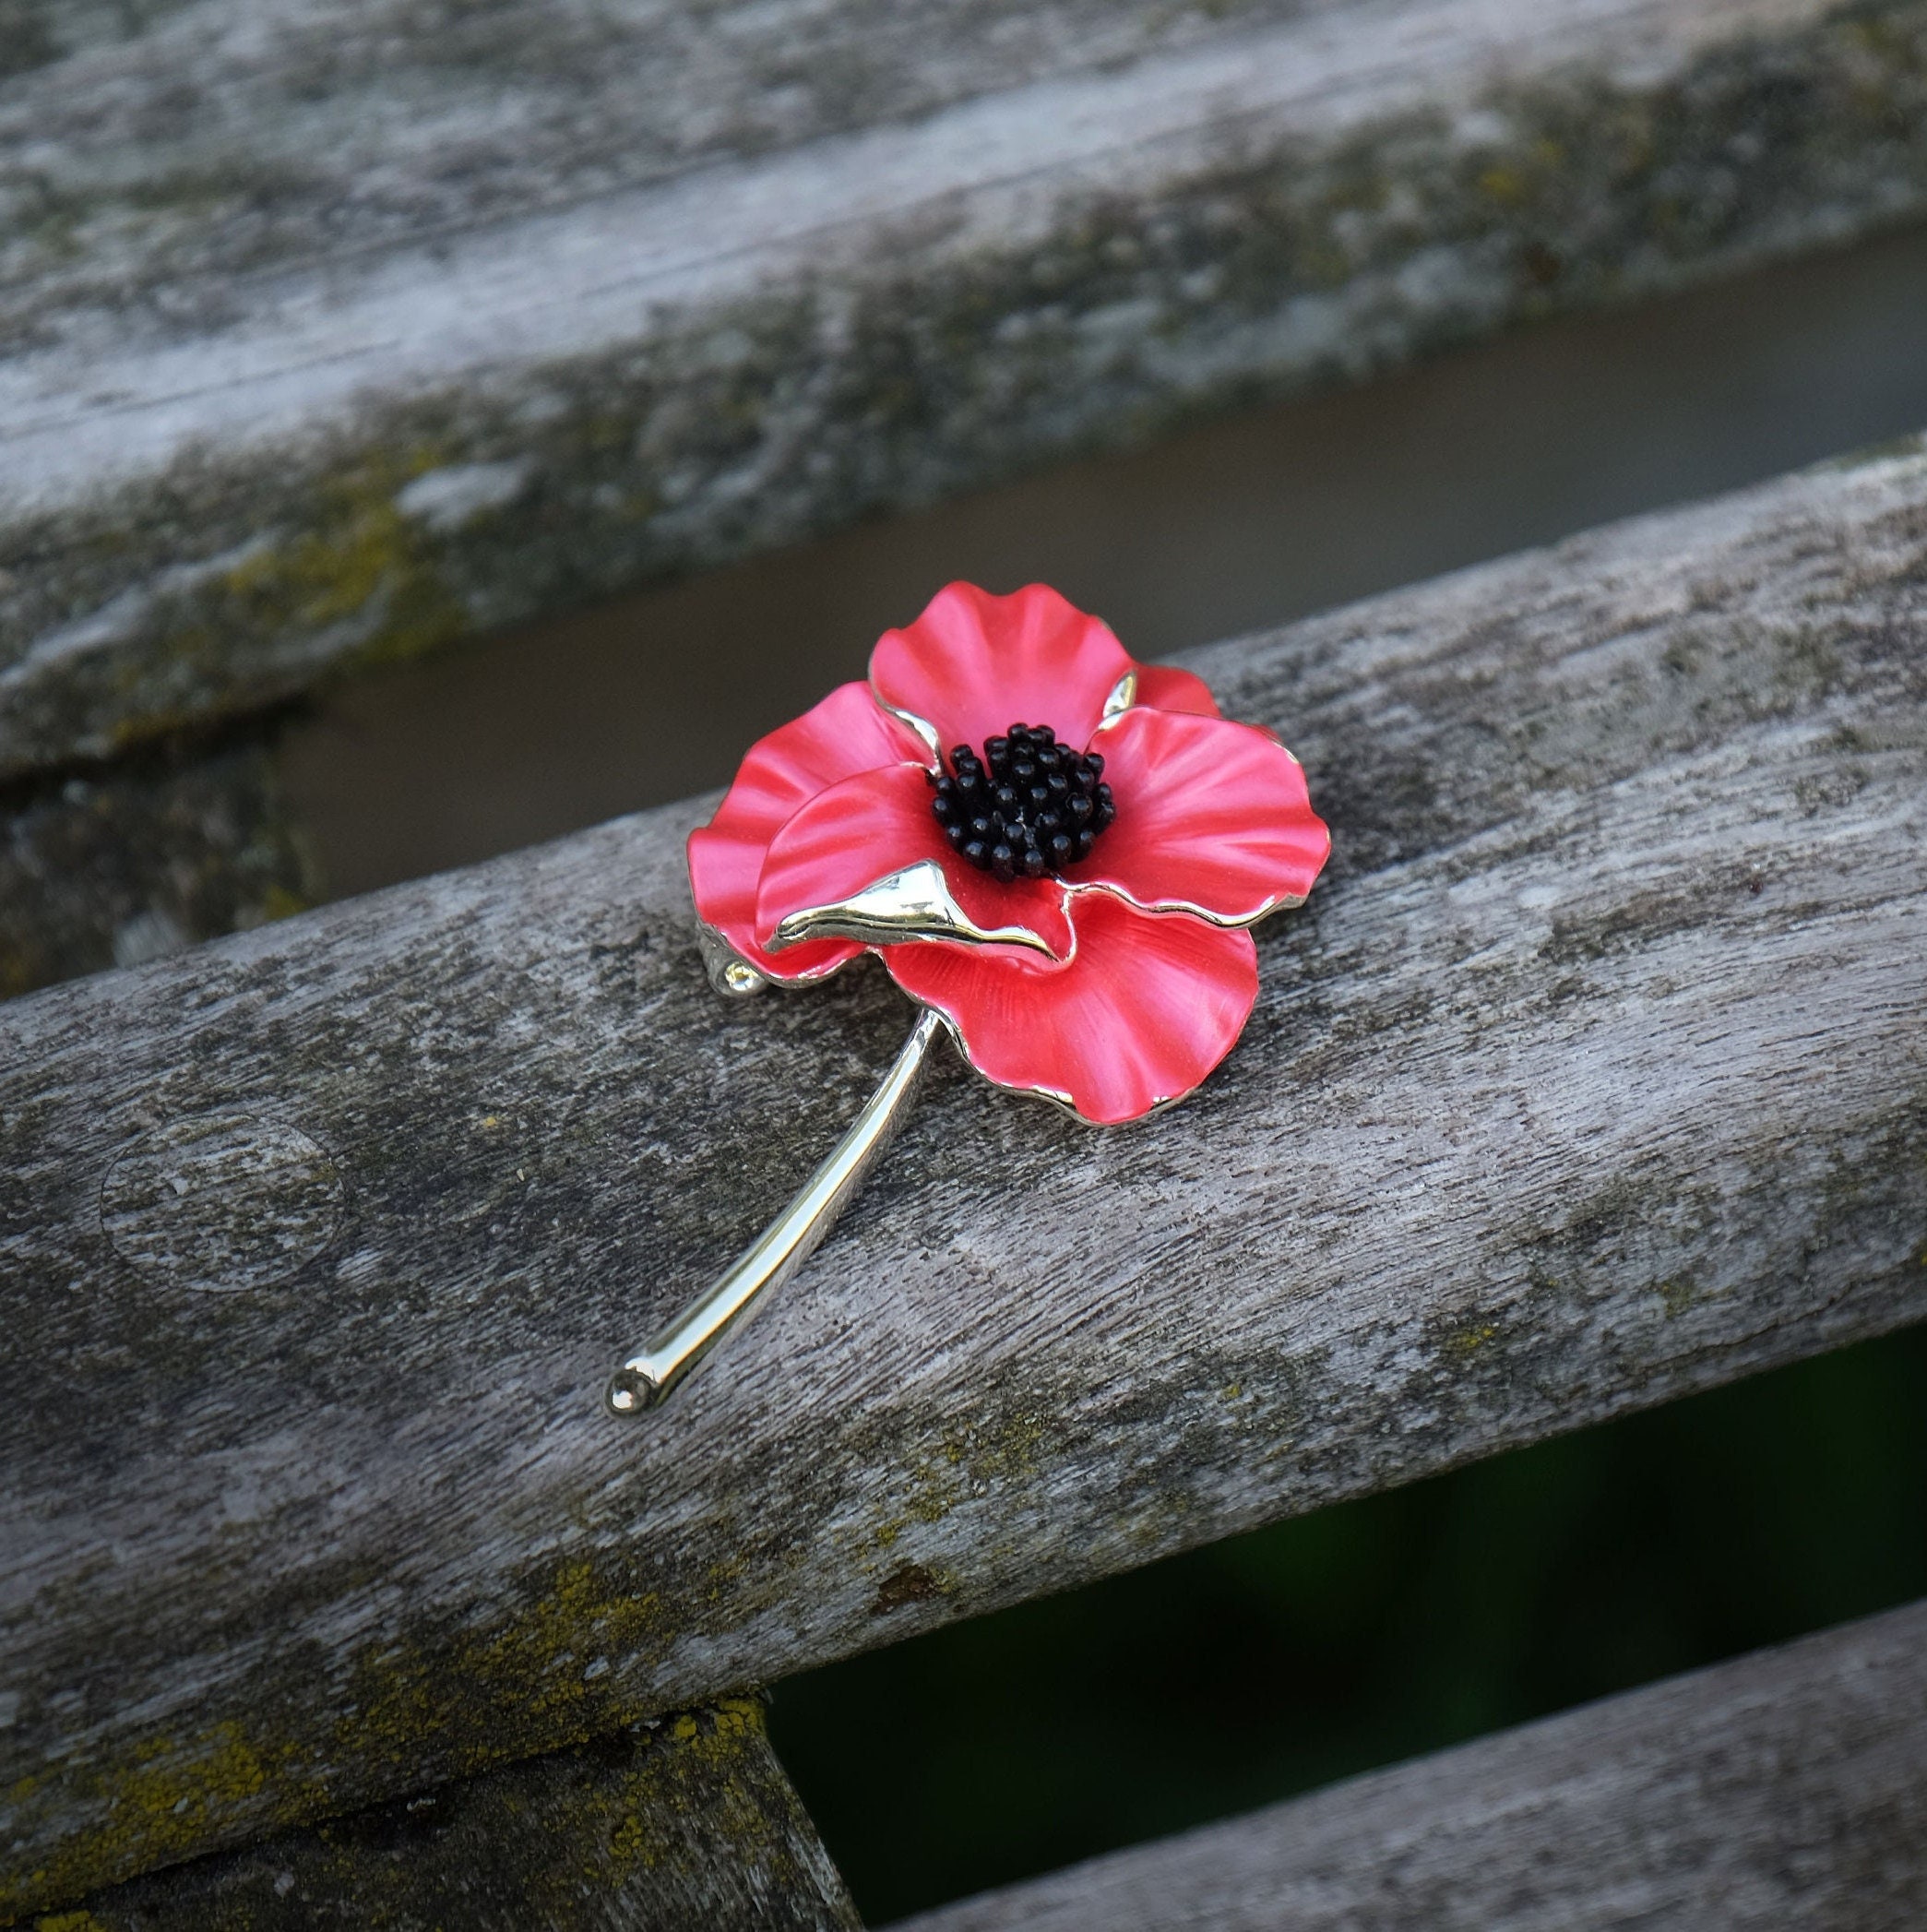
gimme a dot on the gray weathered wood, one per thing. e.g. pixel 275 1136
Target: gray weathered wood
pixel 1789 1788
pixel 331 331
pixel 687 1822
pixel 1593 1073
pixel 132 861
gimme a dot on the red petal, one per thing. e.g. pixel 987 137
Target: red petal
pixel 1212 817
pixel 855 833
pixel 973 665
pixel 1166 688
pixel 846 733
pixel 1149 1006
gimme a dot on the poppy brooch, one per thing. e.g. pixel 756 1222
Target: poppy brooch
pixel 1056 852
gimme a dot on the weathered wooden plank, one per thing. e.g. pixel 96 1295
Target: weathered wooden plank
pixel 687 1821
pixel 133 860
pixel 1788 1788
pixel 332 332
pixel 1593 1074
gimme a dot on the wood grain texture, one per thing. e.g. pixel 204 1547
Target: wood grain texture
pixel 1592 1074
pixel 1789 1788
pixel 132 861
pixel 330 332
pixel 687 1822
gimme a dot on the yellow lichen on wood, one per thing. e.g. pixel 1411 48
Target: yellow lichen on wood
pixel 683 1820
pixel 361 560
pixel 1467 1342
pixel 165 1803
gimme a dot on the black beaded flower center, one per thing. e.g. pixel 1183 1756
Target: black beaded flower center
pixel 1027 806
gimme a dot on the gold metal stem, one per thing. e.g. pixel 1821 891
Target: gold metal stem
pixel 649 1374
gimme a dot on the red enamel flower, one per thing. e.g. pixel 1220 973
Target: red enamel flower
pixel 1056 849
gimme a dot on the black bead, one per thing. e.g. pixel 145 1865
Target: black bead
pixel 1027 807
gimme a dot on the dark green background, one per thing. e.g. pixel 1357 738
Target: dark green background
pixel 1367 1633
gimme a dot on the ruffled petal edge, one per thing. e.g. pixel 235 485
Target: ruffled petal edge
pixel 1213 819
pixel 974 663
pixel 847 733
pixel 1149 1005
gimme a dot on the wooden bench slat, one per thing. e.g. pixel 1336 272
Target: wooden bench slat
pixel 691 1823
pixel 1787 1788
pixel 1593 1074
pixel 141 859
pixel 334 333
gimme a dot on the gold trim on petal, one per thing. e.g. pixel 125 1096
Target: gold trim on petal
pixel 1163 908
pixel 1054 1097
pixel 914 904
pixel 921 726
